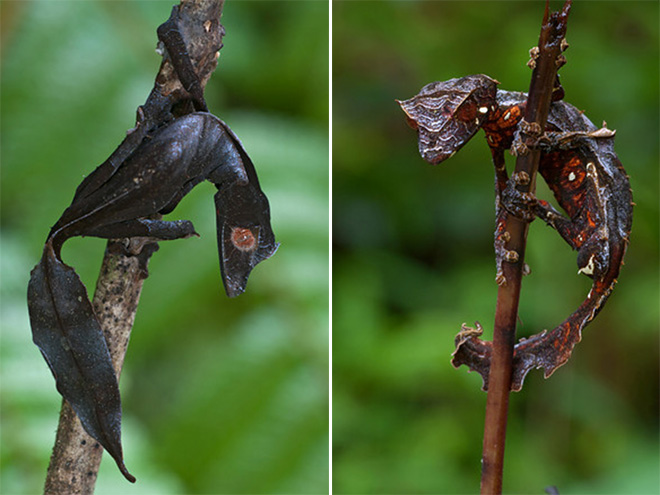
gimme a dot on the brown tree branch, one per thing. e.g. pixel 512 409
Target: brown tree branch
pixel 76 456
pixel 545 63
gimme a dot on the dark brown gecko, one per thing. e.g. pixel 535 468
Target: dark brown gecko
pixel 175 145
pixel 579 165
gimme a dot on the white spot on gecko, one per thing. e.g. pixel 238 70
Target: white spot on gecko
pixel 589 269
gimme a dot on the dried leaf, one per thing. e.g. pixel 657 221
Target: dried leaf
pixel 66 330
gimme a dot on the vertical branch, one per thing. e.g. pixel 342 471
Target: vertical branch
pixel 76 456
pixel 545 62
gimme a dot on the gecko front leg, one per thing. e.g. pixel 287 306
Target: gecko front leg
pixel 501 235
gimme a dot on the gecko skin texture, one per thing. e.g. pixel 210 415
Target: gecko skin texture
pixel 175 145
pixel 581 169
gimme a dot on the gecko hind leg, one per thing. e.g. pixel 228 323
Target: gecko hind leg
pixel 554 141
pixel 527 206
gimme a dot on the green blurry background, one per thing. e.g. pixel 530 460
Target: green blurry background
pixel 219 395
pixel 412 259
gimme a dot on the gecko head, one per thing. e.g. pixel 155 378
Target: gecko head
pixel 245 236
pixel 446 114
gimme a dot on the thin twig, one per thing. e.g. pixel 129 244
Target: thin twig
pixel 76 456
pixel 546 63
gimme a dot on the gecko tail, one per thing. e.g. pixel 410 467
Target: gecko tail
pixel 548 350
pixel 69 336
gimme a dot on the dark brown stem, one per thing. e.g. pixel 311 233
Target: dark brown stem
pixel 545 63
pixel 76 456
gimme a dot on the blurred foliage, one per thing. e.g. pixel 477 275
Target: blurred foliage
pixel 412 259
pixel 219 396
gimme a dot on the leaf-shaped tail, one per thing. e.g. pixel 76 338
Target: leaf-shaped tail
pixel 547 350
pixel 551 350
pixel 66 330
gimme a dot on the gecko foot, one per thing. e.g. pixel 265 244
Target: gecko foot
pixel 519 204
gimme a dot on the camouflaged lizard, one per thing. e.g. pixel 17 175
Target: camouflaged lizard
pixel 582 170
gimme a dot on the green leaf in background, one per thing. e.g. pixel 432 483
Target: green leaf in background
pixel 219 395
